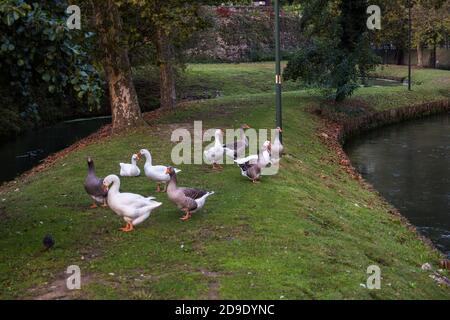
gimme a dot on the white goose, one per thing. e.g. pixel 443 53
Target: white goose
pixel 133 208
pixel 277 147
pixel 214 154
pixel 264 156
pixel 236 149
pixel 253 171
pixel 130 169
pixel 155 173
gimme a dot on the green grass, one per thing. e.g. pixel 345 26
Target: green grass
pixel 309 232
pixel 205 81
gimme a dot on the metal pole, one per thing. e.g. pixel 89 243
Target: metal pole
pixel 409 44
pixel 279 121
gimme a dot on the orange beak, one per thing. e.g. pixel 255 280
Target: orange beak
pixel 167 171
pixel 138 155
pixel 105 188
pixel 279 129
pixel 246 126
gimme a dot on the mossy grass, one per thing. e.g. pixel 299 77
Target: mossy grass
pixel 309 232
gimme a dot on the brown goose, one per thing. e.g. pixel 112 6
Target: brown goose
pixel 189 200
pixel 253 171
pixel 237 148
pixel 94 186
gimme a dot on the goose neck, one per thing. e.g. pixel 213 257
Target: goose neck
pixel 277 136
pixel 148 158
pixel 217 139
pixel 172 183
pixel 115 187
pixel 91 167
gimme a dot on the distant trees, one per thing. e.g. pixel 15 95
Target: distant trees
pixel 394 26
pixel 166 24
pixel 339 52
pixel 430 22
pixel 431 25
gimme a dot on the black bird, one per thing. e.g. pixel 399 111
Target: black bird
pixel 48 242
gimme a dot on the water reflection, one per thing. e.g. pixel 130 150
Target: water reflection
pixel 26 151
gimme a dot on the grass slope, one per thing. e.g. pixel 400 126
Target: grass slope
pixel 309 232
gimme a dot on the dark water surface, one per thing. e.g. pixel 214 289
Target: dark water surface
pixel 409 164
pixel 26 151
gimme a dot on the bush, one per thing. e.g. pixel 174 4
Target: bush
pixel 322 64
pixel 42 61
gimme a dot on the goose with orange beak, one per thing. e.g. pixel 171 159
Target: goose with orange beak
pixel 237 148
pixel 277 148
pixel 133 208
pixel 214 154
pixel 130 169
pixel 155 173
pixel 189 200
pixel 252 171
pixel 263 156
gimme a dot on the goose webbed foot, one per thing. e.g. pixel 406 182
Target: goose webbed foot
pixel 217 166
pixel 187 216
pixel 128 228
pixel 93 206
pixel 158 187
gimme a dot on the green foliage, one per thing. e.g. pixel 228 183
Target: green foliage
pixel 38 51
pixel 339 52
pixel 434 26
pixel 431 22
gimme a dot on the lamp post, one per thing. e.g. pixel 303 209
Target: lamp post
pixel 279 120
pixel 409 44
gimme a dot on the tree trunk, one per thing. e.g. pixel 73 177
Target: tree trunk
pixel 399 57
pixel 125 109
pixel 419 56
pixel 433 57
pixel 166 71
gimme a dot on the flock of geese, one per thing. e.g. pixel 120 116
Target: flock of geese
pixel 135 209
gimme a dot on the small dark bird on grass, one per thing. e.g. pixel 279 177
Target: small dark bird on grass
pixel 48 242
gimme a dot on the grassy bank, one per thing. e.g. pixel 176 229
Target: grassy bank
pixel 309 232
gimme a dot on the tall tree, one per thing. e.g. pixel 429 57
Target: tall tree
pixel 430 21
pixel 394 31
pixel 125 108
pixel 431 24
pixel 339 52
pixel 171 22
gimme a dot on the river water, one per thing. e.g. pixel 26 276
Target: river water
pixel 409 164
pixel 26 151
